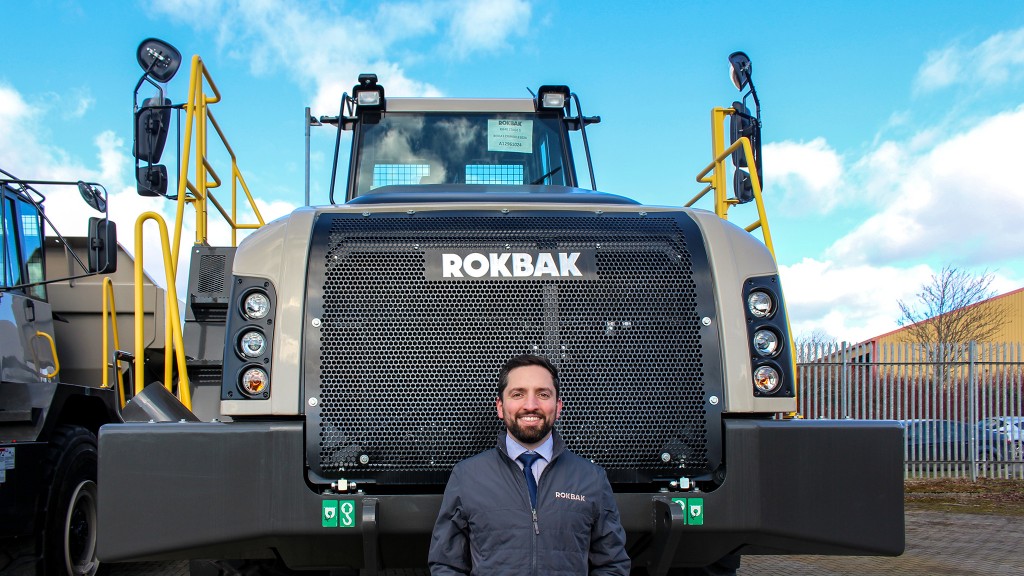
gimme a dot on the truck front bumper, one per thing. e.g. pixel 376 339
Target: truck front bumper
pixel 238 490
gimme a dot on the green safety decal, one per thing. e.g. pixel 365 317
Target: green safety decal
pixel 338 514
pixel 694 510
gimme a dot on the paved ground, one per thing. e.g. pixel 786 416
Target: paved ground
pixel 938 544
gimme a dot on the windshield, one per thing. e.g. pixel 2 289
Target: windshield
pixel 459 148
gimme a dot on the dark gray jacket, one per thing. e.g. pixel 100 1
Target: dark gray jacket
pixel 486 526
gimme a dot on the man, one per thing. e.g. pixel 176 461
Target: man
pixel 529 506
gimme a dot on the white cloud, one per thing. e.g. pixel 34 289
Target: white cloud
pixel 485 25
pixel 997 60
pixel 808 173
pixel 957 199
pixel 324 50
pixel 850 302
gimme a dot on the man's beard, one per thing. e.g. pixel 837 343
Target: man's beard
pixel 529 435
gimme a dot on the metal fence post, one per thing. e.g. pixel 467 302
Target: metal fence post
pixel 844 384
pixel 972 411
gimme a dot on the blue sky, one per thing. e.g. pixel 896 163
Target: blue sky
pixel 892 129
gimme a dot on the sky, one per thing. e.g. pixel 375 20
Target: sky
pixel 892 130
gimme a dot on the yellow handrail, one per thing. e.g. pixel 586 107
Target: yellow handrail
pixel 714 175
pixel 175 342
pixel 53 351
pixel 110 314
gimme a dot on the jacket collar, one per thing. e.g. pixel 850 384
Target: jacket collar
pixel 556 451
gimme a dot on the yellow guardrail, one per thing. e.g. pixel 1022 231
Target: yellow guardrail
pixel 110 326
pixel 173 342
pixel 715 176
pixel 198 118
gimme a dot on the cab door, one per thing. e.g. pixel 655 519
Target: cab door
pixel 26 323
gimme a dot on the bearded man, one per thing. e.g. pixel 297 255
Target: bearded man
pixel 528 506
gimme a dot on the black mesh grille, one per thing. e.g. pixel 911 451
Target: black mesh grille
pixel 211 272
pixel 405 368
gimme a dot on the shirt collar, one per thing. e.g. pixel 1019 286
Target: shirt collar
pixel 514 449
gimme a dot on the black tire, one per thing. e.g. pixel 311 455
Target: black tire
pixel 69 531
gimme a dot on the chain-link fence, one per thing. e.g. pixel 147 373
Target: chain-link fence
pixel 961 405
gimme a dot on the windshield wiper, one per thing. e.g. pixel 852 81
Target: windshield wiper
pixel 551 173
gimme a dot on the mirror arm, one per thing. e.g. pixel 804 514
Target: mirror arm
pixel 337 142
pixel 583 132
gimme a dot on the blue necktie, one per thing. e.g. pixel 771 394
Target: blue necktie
pixel 528 458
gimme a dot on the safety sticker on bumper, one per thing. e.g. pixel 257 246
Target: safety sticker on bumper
pixel 338 514
pixel 694 510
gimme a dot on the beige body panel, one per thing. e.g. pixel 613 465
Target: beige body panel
pixel 279 252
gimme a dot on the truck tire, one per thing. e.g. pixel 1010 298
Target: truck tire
pixel 69 531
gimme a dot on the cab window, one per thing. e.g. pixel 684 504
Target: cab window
pixel 23 245
pixel 404 148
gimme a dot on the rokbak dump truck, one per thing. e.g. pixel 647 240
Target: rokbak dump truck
pixel 356 347
pixel 53 395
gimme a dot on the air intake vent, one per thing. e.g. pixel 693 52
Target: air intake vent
pixel 209 282
pixel 212 268
pixel 404 362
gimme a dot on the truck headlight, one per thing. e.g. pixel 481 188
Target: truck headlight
pixel 256 305
pixel 760 304
pixel 766 379
pixel 252 344
pixel 766 343
pixel 254 381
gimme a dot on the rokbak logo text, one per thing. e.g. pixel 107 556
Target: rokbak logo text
pixel 470 265
pixel 510 264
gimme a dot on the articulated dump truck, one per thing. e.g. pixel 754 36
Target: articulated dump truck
pixel 342 359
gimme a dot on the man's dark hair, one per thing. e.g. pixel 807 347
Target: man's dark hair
pixel 527 360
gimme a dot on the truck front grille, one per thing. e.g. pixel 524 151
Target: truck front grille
pixel 404 364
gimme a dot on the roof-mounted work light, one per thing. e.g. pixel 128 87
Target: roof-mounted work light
pixel 368 94
pixel 552 97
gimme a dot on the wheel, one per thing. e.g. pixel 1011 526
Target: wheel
pixel 69 532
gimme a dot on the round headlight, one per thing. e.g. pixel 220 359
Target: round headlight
pixel 252 344
pixel 766 343
pixel 766 379
pixel 760 304
pixel 256 306
pixel 254 381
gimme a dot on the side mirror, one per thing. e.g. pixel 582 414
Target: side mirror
pixel 742 124
pixel 740 69
pixel 742 186
pixel 152 123
pixel 152 180
pixel 102 246
pixel 159 59
pixel 93 196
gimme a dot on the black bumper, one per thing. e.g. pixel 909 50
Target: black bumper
pixel 238 490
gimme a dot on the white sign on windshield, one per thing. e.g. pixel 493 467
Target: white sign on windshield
pixel 510 136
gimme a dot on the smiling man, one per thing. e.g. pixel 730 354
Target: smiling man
pixel 528 506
